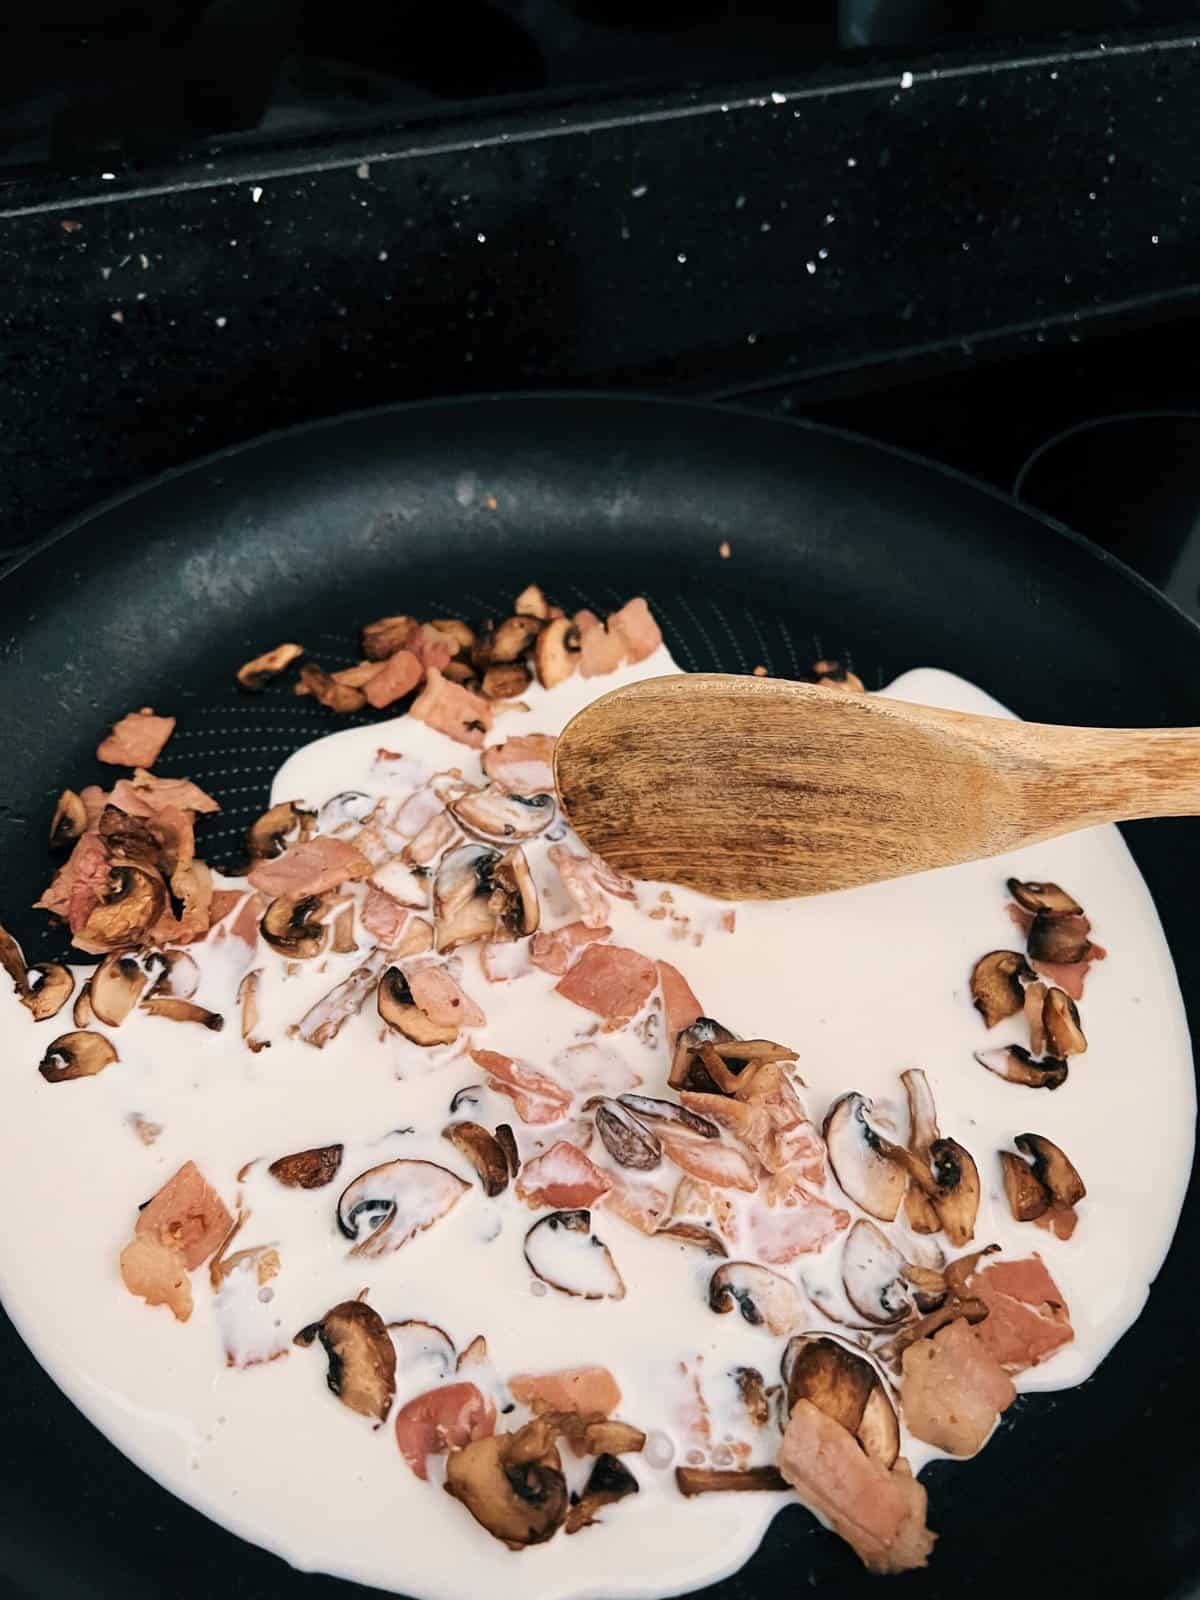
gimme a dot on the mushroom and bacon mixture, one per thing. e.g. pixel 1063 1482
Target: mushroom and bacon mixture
pixel 835 1240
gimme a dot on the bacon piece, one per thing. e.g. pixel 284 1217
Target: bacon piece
pixel 708 1159
pixel 395 678
pixel 590 1391
pixel 555 952
pixel 880 1514
pixel 680 1006
pixel 310 867
pixel 186 1215
pixel 1027 1318
pixel 452 710
pixel 595 1068
pixel 504 961
pixel 78 884
pixel 636 628
pixel 94 801
pixel 1068 975
pixel 157 1275
pixel 578 874
pixel 144 794
pixel 953 1390
pixel 641 1205
pixel 563 1178
pixel 136 740
pixel 441 1420
pixel 430 646
pixel 610 981
pixel 537 1099
pixel 599 650
pixel 522 764
pixel 801 1225
pixel 382 917
pixel 435 993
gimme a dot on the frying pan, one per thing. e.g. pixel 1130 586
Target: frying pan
pixel 837 547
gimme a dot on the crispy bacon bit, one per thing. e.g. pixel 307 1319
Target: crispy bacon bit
pixel 398 676
pixel 310 868
pixel 441 1420
pixel 383 638
pixel 341 697
pixel 1027 1317
pixel 136 740
pixel 256 674
pixel 452 710
pixel 523 764
pixel 579 877
pixel 175 1233
pixel 680 1006
pixel 538 1099
pixel 435 993
pixel 143 795
pixel 588 1391
pixel 953 1389
pixel 555 952
pixel 78 884
pixel 610 981
pixel 562 1178
pixel 600 650
pixel 636 628
pixel 433 647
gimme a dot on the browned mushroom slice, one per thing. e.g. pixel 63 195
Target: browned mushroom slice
pixel 562 1250
pixel 693 1233
pixel 117 986
pixel 506 681
pixel 256 674
pixel 13 961
pixel 647 1109
pixel 132 903
pixel 531 602
pixel 247 996
pixel 856 1154
pixel 462 896
pixel 388 1205
pixel 765 1299
pixel 623 1136
pixel 328 1017
pixel 513 638
pixel 69 822
pixel 292 924
pixel 1016 1065
pixel 1046 898
pixel 341 697
pixel 497 817
pixel 507 1141
pixel 1052 1168
pixel 611 1437
pixel 825 1371
pixel 308 1169
pixel 686 1071
pixel 879 1430
pixel 556 654
pixel 753 1391
pixel 960 1271
pixel 922 1131
pixel 520 1497
pixel 344 942
pixel 457 631
pixel 1060 1017
pixel 282 825
pixel 76 1055
pixel 172 1009
pixel 972 1309
pixel 362 1358
pixel 383 638
pixel 1028 1198
pixel 1035 1016
pixel 996 985
pixel 483 1151
pixel 873 1275
pixel 832 674
pixel 514 899
pixel 400 1011
pixel 1059 939
pixel 957 1199
pixel 610 1480
pixel 716 1480
pixel 928 1285
pixel 50 986
pixel 424 1352
pixel 81 1011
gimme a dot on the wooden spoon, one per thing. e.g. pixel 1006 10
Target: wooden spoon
pixel 756 789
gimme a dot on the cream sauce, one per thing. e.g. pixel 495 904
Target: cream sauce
pixel 862 984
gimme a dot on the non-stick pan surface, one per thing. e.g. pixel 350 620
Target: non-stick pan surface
pixel 837 547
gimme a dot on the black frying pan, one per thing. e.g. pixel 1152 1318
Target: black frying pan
pixel 838 548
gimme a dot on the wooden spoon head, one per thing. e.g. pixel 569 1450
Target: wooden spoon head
pixel 754 788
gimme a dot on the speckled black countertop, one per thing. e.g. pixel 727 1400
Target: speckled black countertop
pixel 790 231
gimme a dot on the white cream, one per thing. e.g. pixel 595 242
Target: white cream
pixel 863 984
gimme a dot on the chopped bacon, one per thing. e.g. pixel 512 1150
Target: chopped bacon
pixel 595 1068
pixel 555 952
pixel 144 794
pixel 79 882
pixel 136 740
pixel 636 628
pixel 398 675
pixel 193 886
pixel 430 646
pixel 880 1514
pixel 175 1232
pixel 578 874
pixel 157 1275
pixel 435 993
pixel 562 1177
pixel 537 1099
pixel 419 809
pixel 953 1390
pixel 768 1118
pixel 610 981
pixel 94 801
pixel 452 710
pixel 503 961
pixel 522 764
pixel 310 867
pixel 1068 975
pixel 590 1391
pixel 441 1420
pixel 680 1006
pixel 801 1225
pixel 382 917
pixel 708 1159
pixel 245 925
pixel 223 902
pixel 599 650
pixel 641 1205
pixel 1027 1316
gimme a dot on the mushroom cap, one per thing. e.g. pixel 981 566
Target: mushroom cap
pixel 873 1275
pixel 362 1357
pixel 386 1206
pixel 856 1153
pixel 562 1250
pixel 765 1298
pixel 81 1054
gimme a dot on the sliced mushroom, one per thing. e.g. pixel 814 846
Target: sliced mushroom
pixel 623 1136
pixel 1052 1168
pixel 753 1391
pixel 647 1109
pixel 957 1200
pixel 406 885
pixel 494 815
pixel 513 637
pixel 1059 939
pixel 686 1071
pixel 344 942
pixel 388 1205
pixel 117 986
pixel 131 904
pixel 1044 898
pixel 462 894
pixel 383 638
pixel 1035 1016
pixel 50 986
pixel 362 1358
pixel 514 900
pixel 507 681
pixel 873 1275
pixel 856 1154
pixel 1028 1198
pixel 562 1250
pixel 610 1480
pixel 507 1141
pixel 247 996
pixel 556 653
pixel 519 1497
pixel 972 1309
pixel 172 972
pixel 611 1437
pixel 1060 1017
pixel 69 822
pixel 13 961
pixel 1016 1065
pixel 81 1011
pixel 694 1233
pixel 76 1055
pixel 423 1348
pixel 341 697
pixel 922 1131
pixel 292 925
pixel 960 1271
pixel 308 1169
pixel 765 1299
pixel 879 1430
pixel 824 1371
pixel 256 674
pixel 172 1009
pixel 709 1480
pixel 282 825
pixel 996 985
pixel 399 1010
pixel 531 602
pixel 456 630
pixel 328 1017
pixel 928 1284
pixel 483 1151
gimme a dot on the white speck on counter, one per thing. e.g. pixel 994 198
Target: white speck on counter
pixel 777 98
pixel 810 267
pixel 481 238
pixel 906 80
pixel 383 255
pixel 256 193
pixel 363 170
pixel 642 189
pixel 1153 238
pixel 220 321
pixel 109 177
pixel 681 258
